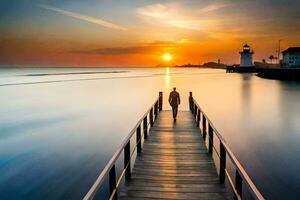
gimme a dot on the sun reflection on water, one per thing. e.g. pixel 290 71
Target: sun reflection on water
pixel 167 78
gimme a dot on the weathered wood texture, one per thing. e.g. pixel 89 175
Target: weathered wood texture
pixel 174 163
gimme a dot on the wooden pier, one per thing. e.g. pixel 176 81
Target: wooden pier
pixel 174 163
pixel 183 160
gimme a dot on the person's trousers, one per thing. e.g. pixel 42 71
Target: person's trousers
pixel 175 111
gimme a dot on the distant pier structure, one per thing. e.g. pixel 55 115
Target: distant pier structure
pixel 246 56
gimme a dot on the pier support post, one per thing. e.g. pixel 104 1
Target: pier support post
pixel 191 102
pixel 139 139
pixel 195 112
pixel 211 139
pixel 222 163
pixel 160 101
pixel 113 183
pixel 198 118
pixel 155 110
pixel 204 127
pixel 151 117
pixel 145 127
pixel 238 184
pixel 127 162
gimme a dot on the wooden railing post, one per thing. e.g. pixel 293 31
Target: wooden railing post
pixel 198 118
pixel 112 183
pixel 238 184
pixel 138 139
pixel 155 110
pixel 203 126
pixel 195 112
pixel 222 163
pixel 191 102
pixel 151 117
pixel 211 139
pixel 145 126
pixel 160 101
pixel 127 162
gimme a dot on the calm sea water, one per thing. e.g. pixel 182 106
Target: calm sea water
pixel 59 127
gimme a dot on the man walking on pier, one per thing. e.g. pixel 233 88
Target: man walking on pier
pixel 174 100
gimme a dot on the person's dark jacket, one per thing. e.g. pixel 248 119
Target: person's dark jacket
pixel 174 99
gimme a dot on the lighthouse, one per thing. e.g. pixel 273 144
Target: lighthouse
pixel 246 56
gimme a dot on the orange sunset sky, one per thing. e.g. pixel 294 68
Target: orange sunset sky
pixel 139 32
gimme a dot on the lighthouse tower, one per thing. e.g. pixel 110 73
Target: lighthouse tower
pixel 246 56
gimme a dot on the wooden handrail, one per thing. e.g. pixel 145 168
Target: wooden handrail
pixel 241 174
pixel 110 166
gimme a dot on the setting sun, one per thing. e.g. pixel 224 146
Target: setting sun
pixel 167 57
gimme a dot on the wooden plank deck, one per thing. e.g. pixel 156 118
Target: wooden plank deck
pixel 174 163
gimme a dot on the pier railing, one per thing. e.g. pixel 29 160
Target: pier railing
pixel 223 152
pixel 140 130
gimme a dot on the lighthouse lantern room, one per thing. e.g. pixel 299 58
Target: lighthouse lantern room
pixel 246 56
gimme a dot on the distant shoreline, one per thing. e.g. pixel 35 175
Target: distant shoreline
pixel 211 65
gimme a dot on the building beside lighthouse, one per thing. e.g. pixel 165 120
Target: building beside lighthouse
pixel 291 57
pixel 246 56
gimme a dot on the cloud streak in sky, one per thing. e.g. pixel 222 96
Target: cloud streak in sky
pixel 174 15
pixel 90 19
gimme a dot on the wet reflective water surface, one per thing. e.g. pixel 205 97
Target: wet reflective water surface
pixel 59 127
